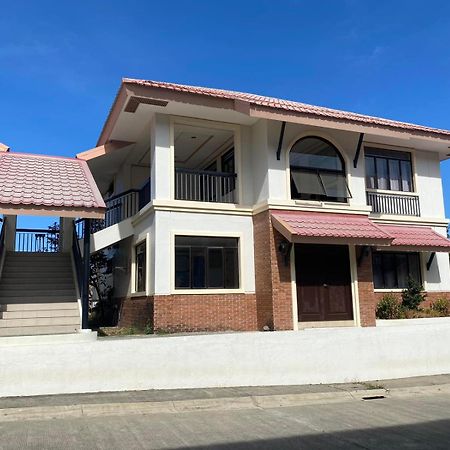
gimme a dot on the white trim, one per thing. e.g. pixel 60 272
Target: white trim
pixel 135 243
pixel 241 244
pixel 354 285
pixel 388 192
pixel 294 289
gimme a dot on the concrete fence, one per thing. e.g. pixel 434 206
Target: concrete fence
pixel 52 365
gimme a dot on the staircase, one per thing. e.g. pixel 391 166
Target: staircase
pixel 37 295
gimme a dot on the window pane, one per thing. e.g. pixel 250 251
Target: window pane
pixel 206 262
pixel 231 263
pixel 315 153
pixel 215 268
pixel 382 173
pixel 402 270
pixel 307 183
pixel 385 153
pixel 389 271
pixel 335 185
pixel 414 267
pixel 394 174
pixel 370 173
pixel 140 267
pixel 182 267
pixel 378 281
pixel 406 176
pixel 198 267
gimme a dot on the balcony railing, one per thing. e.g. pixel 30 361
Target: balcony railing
pixel 205 186
pixel 399 204
pixel 37 241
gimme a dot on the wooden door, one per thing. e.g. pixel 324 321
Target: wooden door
pixel 323 282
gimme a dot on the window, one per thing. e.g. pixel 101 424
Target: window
pixel 206 262
pixel 141 263
pixel 388 169
pixel 317 171
pixel 392 270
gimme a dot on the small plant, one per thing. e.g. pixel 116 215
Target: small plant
pixel 389 307
pixel 148 329
pixel 441 306
pixel 413 295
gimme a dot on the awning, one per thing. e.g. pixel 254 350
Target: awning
pixel 329 228
pixel 48 186
pixel 416 238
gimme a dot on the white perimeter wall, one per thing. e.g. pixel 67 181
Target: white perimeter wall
pixel 242 359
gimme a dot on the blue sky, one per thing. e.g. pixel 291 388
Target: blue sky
pixel 61 62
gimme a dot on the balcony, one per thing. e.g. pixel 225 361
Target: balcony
pixel 393 203
pixel 205 186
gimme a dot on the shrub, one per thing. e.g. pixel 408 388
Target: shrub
pixel 389 307
pixel 413 295
pixel 441 306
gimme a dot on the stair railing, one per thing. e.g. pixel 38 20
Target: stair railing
pixel 2 241
pixel 78 259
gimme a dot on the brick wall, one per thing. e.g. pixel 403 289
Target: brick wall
pixel 136 311
pixel 205 312
pixel 273 276
pixel 367 297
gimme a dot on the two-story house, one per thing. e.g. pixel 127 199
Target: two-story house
pixel 234 211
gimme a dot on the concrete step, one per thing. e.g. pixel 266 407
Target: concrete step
pixel 33 331
pixel 10 307
pixel 42 284
pixel 40 322
pixel 36 272
pixel 37 299
pixel 31 314
pixel 23 291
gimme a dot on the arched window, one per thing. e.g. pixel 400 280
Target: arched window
pixel 317 171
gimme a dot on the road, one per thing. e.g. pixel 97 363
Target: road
pixel 421 422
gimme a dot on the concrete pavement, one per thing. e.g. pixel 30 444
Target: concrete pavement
pixel 413 422
pixel 214 399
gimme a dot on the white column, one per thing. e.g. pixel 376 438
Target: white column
pixel 65 234
pixel 162 170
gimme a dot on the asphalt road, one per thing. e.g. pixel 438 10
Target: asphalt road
pixel 421 422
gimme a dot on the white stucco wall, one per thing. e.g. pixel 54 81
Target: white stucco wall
pixel 170 223
pixel 312 356
pixel 438 277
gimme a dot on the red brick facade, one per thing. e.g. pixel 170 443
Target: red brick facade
pixel 191 312
pixel 205 312
pixel 273 276
pixel 136 311
pixel 367 297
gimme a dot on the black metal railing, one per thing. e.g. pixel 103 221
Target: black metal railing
pixel 2 236
pixel 144 194
pixel 205 186
pixel 404 205
pixel 37 240
pixel 78 259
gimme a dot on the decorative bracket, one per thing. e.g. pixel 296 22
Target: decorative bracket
pixel 280 141
pixel 358 150
pixel 430 260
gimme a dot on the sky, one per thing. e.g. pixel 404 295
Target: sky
pixel 61 62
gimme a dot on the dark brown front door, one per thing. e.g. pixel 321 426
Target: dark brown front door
pixel 323 282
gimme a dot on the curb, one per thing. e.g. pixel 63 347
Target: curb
pixel 219 404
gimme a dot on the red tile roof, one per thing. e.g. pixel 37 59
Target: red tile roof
pixel 419 237
pixel 294 107
pixel 47 182
pixel 329 226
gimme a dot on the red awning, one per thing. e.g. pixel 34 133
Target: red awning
pixel 416 238
pixel 331 228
